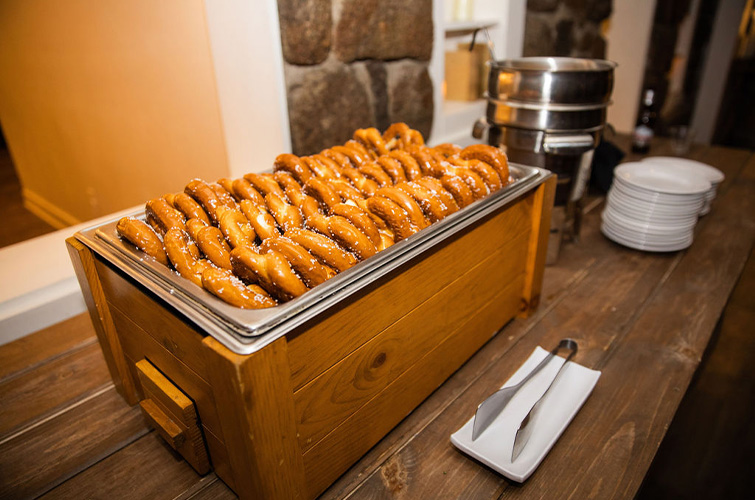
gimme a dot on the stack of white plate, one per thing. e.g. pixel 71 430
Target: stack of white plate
pixel 654 206
pixel 711 174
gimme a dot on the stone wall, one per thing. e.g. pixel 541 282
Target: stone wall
pixel 569 28
pixel 351 64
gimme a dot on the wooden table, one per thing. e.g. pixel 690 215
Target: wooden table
pixel 643 319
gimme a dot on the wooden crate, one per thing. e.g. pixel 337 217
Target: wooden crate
pixel 288 420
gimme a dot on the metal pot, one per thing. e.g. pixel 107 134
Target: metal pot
pixel 561 80
pixel 547 117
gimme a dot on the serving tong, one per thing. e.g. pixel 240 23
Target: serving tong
pixel 493 405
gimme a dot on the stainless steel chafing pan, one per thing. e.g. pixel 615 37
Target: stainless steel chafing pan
pixel 244 330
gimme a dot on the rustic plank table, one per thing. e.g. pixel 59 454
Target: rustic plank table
pixel 643 319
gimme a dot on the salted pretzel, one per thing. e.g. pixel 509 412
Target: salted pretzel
pixel 408 163
pixel 393 168
pixel 491 155
pixel 263 223
pixel 340 159
pixel 361 220
pixel 225 285
pixel 236 228
pixel 371 139
pixel 430 203
pixel 407 203
pixel 428 162
pixel 143 237
pixel 459 189
pixel 293 165
pixel 322 191
pixel 447 149
pixel 399 136
pixel 161 216
pixel 243 190
pixel 270 269
pixel 213 245
pixel 365 185
pixel 348 236
pixel 355 156
pixel 184 255
pixel 323 248
pixel 322 166
pixel 436 187
pixel 306 266
pixel 193 226
pixel 287 216
pixel 264 183
pixel 205 196
pixel 393 215
pixel 489 174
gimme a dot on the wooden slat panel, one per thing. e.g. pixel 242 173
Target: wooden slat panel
pixel 334 454
pixel 137 345
pixel 256 409
pixel 84 263
pixel 34 394
pixel 538 244
pixel 149 312
pixel 167 395
pixel 332 397
pixel 30 351
pixel 67 443
pixel 219 457
pixel 143 469
pixel 312 353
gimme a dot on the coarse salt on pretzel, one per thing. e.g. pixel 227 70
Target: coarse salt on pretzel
pixel 447 149
pixel 361 220
pixel 293 165
pixel 408 163
pixel 237 229
pixel 270 269
pixel 161 216
pixel 194 225
pixel 286 215
pixel 323 248
pixel 406 202
pixel 184 255
pixel 491 155
pixel 489 174
pixel 306 266
pixel 371 139
pixel 376 173
pixel 436 187
pixel 264 183
pixel 205 196
pixel 429 202
pixel 244 190
pixel 143 237
pixel 366 186
pixel 225 285
pixel 458 189
pixel 263 223
pixel 322 192
pixel 347 235
pixel 393 168
pixel 393 215
pixel 212 243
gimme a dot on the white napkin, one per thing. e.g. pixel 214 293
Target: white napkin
pixel 493 447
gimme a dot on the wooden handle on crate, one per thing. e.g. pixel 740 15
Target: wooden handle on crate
pixel 168 429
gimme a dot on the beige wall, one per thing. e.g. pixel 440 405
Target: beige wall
pixel 107 103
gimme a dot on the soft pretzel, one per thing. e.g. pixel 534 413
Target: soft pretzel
pixel 286 181
pixel 428 201
pixel 393 168
pixel 262 222
pixel 293 165
pixel 225 285
pixel 436 187
pixel 408 163
pixel 322 166
pixel 193 226
pixel 489 174
pixel 447 149
pixel 271 270
pixel 212 243
pixel 236 228
pixel 143 237
pixel 393 215
pixel 355 156
pixel 338 158
pixel 243 190
pixel 491 155
pixel 371 139
pixel 161 216
pixel 286 215
pixel 347 235
pixel 473 180
pixel 205 196
pixel 361 220
pixel 306 266
pixel 458 189
pixel 358 180
pixel 264 183
pixel 227 184
pixel 346 191
pixel 376 173
pixel 405 201
pixel 323 248
pixel 399 135
pixel 360 148
pixel 184 255
pixel 428 163
pixel 322 192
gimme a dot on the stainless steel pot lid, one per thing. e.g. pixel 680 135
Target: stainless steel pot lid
pixel 545 118
pixel 560 80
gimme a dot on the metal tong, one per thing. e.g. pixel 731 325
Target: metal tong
pixel 489 409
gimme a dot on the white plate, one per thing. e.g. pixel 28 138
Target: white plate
pixel 661 178
pixel 651 227
pixel 688 206
pixel 657 197
pixel 648 214
pixel 493 447
pixel 639 244
pixel 647 239
pixel 711 174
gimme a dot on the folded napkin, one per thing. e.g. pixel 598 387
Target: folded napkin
pixel 493 447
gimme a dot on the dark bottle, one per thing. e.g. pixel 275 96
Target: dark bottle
pixel 643 132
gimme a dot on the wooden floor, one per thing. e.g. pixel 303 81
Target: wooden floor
pixel 18 224
pixel 57 379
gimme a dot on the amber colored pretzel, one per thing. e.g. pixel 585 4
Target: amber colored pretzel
pixel 225 285
pixel 143 237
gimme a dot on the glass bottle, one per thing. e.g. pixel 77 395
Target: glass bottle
pixel 643 131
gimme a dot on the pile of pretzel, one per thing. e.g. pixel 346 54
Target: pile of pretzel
pixel 267 238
